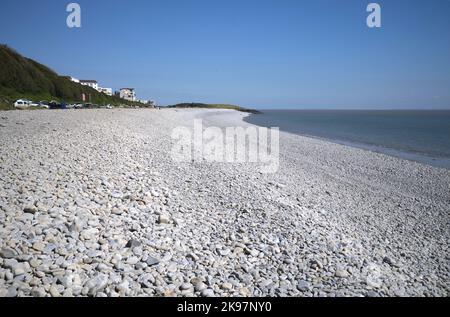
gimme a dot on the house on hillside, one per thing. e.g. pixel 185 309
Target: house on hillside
pixel 90 83
pixel 128 94
pixel 106 91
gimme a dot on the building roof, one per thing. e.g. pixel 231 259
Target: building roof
pixel 127 88
pixel 88 81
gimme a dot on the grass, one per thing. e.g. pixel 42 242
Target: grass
pixel 5 106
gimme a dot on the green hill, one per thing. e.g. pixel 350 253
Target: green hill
pixel 21 77
pixel 212 106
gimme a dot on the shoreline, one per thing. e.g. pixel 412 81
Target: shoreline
pixel 95 196
pixel 413 156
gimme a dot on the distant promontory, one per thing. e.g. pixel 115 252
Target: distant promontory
pixel 213 106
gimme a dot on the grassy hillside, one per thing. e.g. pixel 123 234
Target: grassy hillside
pixel 212 106
pixel 21 77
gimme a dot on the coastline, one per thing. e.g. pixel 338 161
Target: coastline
pixel 292 144
pixel 410 155
pixel 333 221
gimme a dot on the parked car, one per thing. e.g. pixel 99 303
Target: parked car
pixel 54 105
pixel 22 103
pixel 43 104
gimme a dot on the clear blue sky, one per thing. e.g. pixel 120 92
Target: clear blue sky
pixel 256 53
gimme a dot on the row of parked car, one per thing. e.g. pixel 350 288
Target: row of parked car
pixel 23 103
pixel 26 104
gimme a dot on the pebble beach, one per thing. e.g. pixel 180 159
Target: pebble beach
pixel 91 204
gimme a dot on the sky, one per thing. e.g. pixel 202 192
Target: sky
pixel 269 54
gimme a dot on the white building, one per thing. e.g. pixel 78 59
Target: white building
pixel 128 94
pixel 107 91
pixel 74 80
pixel 90 83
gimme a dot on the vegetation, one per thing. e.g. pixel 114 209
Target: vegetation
pixel 212 106
pixel 24 78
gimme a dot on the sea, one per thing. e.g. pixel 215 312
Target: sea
pixel 417 135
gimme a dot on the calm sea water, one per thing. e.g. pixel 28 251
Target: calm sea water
pixel 422 136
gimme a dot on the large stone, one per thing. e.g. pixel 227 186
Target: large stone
pixel 39 246
pixel 21 268
pixel 227 286
pixel 303 286
pixel 185 286
pixel 133 243
pixel 10 263
pixel 132 260
pixel 117 194
pixel 90 234
pixel 30 210
pixel 117 211
pixel 342 273
pixel 54 291
pixel 163 219
pixel 199 286
pixel 12 292
pixel 151 261
pixel 7 253
pixel 137 251
pixel 38 292
pixel 97 284
pixel 207 293
pixel 172 268
pixel 243 291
